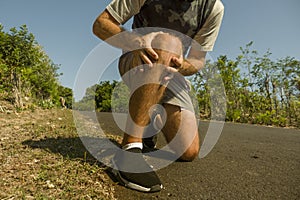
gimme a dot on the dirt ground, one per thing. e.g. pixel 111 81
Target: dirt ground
pixel 42 157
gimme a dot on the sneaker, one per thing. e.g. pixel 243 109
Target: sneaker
pixel 150 142
pixel 147 181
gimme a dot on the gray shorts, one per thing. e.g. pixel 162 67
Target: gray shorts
pixel 178 90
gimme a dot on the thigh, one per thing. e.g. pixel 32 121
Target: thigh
pixel 127 62
pixel 181 132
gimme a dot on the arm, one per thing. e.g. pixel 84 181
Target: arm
pixel 192 64
pixel 205 38
pixel 105 26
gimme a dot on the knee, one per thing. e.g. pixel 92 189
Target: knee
pixel 190 154
pixel 167 46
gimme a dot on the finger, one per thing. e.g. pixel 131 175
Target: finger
pixel 151 53
pixel 145 58
pixel 171 70
pixel 176 61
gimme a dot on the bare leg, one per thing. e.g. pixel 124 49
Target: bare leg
pixel 139 105
pixel 143 98
pixel 183 125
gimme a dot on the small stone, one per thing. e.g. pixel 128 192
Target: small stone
pixel 50 185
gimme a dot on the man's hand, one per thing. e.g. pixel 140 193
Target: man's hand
pixel 187 67
pixel 177 62
pixel 147 54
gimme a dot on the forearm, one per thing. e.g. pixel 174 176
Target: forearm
pixel 191 66
pixel 105 27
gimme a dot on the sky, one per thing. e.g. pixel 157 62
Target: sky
pixel 64 28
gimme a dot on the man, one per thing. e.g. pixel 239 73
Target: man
pixel 160 57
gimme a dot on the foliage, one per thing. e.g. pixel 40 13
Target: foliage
pixel 97 97
pixel 46 104
pixel 87 103
pixel 258 89
pixel 27 74
pixel 120 98
pixel 103 95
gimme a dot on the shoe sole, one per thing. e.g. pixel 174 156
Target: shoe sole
pixel 134 186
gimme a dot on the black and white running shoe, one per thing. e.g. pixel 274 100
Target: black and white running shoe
pixel 150 142
pixel 131 170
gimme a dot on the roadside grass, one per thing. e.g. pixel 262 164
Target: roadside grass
pixel 42 157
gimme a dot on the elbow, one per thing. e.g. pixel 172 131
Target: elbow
pixel 96 27
pixel 99 30
pixel 103 26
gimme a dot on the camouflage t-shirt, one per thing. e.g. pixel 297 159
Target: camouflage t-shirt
pixel 198 19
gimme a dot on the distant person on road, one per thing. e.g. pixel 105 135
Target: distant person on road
pixel 198 19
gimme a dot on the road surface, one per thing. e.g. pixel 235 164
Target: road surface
pixel 248 162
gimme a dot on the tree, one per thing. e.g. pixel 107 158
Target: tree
pixel 87 103
pixel 120 98
pixel 103 95
pixel 26 70
pixel 258 89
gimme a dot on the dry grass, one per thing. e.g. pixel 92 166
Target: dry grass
pixel 42 157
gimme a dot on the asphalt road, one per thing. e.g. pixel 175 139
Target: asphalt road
pixel 248 162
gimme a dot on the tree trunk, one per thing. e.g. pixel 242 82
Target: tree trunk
pixel 267 88
pixel 275 97
pixel 16 89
